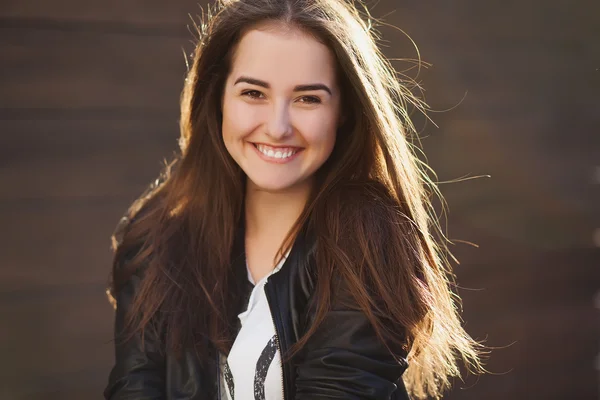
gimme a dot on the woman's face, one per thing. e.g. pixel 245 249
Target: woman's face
pixel 281 107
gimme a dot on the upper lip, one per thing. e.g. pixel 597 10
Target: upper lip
pixel 278 146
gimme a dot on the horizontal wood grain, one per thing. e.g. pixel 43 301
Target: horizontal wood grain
pixel 131 11
pixel 65 70
pixel 48 249
pixel 73 159
pixel 54 348
pixel 527 23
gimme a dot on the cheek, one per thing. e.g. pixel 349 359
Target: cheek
pixel 321 131
pixel 238 119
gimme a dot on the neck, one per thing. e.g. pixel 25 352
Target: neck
pixel 271 215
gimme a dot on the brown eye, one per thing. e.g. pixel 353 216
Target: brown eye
pixel 254 94
pixel 310 99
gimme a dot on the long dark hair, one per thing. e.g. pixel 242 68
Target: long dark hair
pixel 370 210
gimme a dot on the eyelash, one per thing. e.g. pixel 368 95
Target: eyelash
pixel 252 94
pixel 255 95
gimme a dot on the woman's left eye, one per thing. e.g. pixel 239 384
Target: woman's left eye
pixel 310 99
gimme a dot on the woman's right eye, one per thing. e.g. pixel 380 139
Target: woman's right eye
pixel 254 94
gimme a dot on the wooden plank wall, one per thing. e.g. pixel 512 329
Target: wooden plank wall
pixel 89 110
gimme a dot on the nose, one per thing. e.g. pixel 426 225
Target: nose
pixel 279 126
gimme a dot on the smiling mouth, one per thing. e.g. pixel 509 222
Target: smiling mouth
pixel 281 153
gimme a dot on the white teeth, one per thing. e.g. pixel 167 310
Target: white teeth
pixel 275 154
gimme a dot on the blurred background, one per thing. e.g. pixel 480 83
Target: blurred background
pixel 89 109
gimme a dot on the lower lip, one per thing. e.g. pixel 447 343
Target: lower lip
pixel 276 160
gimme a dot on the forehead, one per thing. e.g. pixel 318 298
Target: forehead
pixel 283 55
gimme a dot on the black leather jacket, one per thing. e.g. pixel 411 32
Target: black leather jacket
pixel 342 360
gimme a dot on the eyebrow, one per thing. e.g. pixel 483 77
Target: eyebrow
pixel 298 88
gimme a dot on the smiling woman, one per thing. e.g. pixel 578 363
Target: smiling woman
pixel 289 252
pixel 284 112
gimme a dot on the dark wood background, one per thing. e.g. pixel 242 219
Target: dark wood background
pixel 89 109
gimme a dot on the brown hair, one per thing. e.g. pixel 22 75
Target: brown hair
pixel 370 209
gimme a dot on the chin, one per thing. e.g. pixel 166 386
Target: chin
pixel 274 185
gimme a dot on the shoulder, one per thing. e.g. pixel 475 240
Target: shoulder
pixel 129 240
pixel 134 230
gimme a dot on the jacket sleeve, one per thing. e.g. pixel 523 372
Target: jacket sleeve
pixel 139 371
pixel 345 359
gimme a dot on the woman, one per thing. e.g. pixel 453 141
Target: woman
pixel 289 252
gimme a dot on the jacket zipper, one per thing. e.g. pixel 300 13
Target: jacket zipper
pixel 277 333
pixel 219 377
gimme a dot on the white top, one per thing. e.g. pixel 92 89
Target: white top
pixel 252 370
